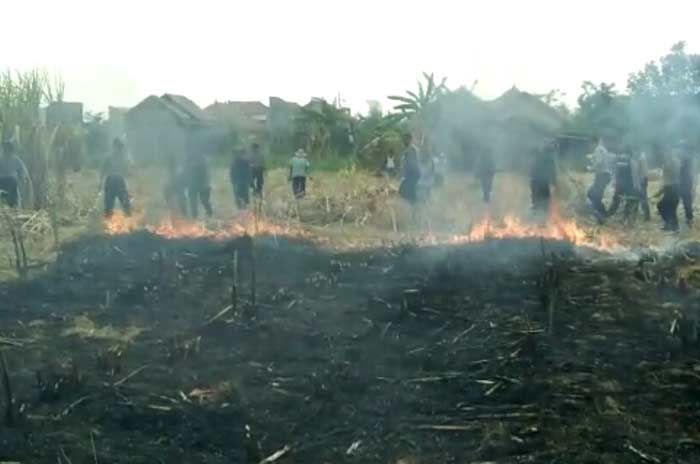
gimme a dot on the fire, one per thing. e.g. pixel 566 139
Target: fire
pixel 119 223
pixel 555 228
pixel 169 228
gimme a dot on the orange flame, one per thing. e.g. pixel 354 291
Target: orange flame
pixel 555 228
pixel 119 224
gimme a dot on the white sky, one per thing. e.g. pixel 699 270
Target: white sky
pixel 118 52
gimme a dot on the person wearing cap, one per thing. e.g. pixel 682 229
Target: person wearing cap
pixel 298 171
pixel 240 176
pixel 13 173
pixel 114 172
pixel 257 168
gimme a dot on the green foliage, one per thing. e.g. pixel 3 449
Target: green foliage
pixel 420 108
pixel 324 129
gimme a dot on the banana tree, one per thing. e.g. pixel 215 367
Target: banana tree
pixel 420 109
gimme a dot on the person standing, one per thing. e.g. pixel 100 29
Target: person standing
pixel 411 171
pixel 602 171
pixel 640 174
pixel 240 176
pixel 198 183
pixel 670 192
pixel 688 181
pixel 13 173
pixel 624 183
pixel 257 166
pixel 543 177
pixel 298 171
pixel 485 172
pixel 115 171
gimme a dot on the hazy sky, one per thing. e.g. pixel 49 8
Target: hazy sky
pixel 118 52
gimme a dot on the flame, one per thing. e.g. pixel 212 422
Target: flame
pixel 180 228
pixel 555 228
pixel 119 223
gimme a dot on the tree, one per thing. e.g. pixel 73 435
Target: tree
pixel 323 128
pixel 421 108
pixel 665 99
pixel 602 111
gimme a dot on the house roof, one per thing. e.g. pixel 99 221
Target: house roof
pixel 182 107
pixel 234 109
pixel 515 105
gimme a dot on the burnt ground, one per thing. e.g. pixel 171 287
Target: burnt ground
pixel 403 355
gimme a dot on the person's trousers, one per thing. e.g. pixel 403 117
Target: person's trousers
pixel 198 194
pixel 597 192
pixel 299 187
pixel 541 196
pixel 668 206
pixel 241 193
pixel 9 191
pixel 644 199
pixel 486 187
pixel 115 189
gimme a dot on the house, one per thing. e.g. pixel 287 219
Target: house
pixel 281 121
pixel 69 113
pixel 116 121
pixel 248 117
pixel 520 122
pixel 170 126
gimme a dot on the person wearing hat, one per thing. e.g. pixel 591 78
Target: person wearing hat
pixel 13 173
pixel 298 171
pixel 115 170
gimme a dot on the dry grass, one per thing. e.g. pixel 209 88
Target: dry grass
pixel 350 208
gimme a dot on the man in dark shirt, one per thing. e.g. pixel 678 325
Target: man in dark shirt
pixel 543 177
pixel 240 176
pixel 198 183
pixel 12 173
pixel 115 170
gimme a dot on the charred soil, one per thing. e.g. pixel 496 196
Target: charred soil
pixel 127 350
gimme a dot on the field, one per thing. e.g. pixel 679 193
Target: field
pixel 360 336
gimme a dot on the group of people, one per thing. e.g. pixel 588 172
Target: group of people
pixel 628 171
pixel 420 174
pixel 189 182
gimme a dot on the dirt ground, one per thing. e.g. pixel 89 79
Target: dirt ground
pixel 125 349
